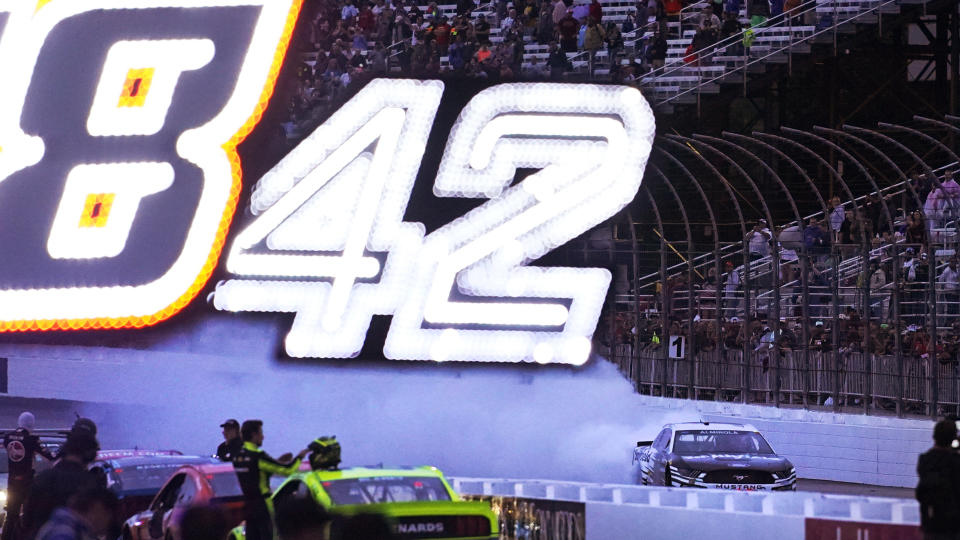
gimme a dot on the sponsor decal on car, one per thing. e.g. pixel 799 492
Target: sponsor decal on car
pixel 407 528
pixel 741 487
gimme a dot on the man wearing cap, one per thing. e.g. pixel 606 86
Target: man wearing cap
pixel 21 447
pixel 232 443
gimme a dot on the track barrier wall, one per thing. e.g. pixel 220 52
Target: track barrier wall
pixel 641 512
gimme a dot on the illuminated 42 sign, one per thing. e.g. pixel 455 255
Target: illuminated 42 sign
pixel 329 242
pixel 117 190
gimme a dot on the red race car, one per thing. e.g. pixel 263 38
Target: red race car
pixel 211 484
pixel 137 475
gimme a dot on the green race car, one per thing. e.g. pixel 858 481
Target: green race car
pixel 418 502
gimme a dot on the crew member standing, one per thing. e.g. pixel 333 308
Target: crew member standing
pixel 938 488
pixel 232 443
pixel 21 448
pixel 254 468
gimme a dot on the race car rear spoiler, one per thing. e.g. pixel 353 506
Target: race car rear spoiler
pixel 644 443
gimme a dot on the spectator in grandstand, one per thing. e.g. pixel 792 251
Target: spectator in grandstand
pixel 836 214
pixel 557 61
pixel 758 240
pixel 441 33
pixel 507 22
pixel 708 295
pixel 596 11
pixel 614 40
pixel 672 9
pixel 708 20
pixel 916 232
pixel 731 288
pixel 731 27
pixel 482 30
pixel 914 281
pixel 655 50
pixel 568 28
pixel 949 281
pixel 815 238
pixel 879 295
pixel 948 350
pixel 545 28
pixel 559 11
pixel 820 337
pixel 593 40
pixel 758 11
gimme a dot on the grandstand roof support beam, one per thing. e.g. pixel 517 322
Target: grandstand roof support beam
pixel 931 259
pixel 859 215
pixel 949 127
pixel 686 223
pixel 664 334
pixel 702 141
pixel 769 147
pixel 686 145
pixel 863 171
pixel 716 267
pixel 804 259
pixel 776 244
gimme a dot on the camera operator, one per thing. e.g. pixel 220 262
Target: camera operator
pixel 938 488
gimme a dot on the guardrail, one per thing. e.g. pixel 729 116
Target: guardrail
pixel 605 511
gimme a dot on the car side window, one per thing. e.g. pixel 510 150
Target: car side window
pixel 187 492
pixel 656 441
pixel 663 440
pixel 166 498
pixel 287 492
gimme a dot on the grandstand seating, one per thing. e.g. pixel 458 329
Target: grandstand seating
pixel 727 62
pixel 895 346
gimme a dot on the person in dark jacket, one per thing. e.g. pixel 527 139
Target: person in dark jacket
pixel 938 488
pixel 22 447
pixel 54 487
pixel 232 443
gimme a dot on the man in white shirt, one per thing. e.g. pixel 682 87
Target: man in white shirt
pixel 836 215
pixel 731 288
pixel 759 240
pixel 950 285
pixel 507 21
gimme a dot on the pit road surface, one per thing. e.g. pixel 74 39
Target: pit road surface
pixel 846 488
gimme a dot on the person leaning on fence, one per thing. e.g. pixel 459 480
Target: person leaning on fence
pixel 938 485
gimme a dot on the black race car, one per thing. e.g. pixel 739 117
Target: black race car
pixel 712 455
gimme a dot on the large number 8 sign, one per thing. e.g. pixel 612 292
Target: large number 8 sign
pixel 119 121
pixel 130 113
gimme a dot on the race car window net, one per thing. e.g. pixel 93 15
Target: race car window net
pixel 703 441
pixel 383 490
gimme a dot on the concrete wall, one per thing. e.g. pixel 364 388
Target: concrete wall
pixel 878 450
pixel 885 456
pixel 642 512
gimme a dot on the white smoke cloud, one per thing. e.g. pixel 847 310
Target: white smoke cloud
pixel 468 420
